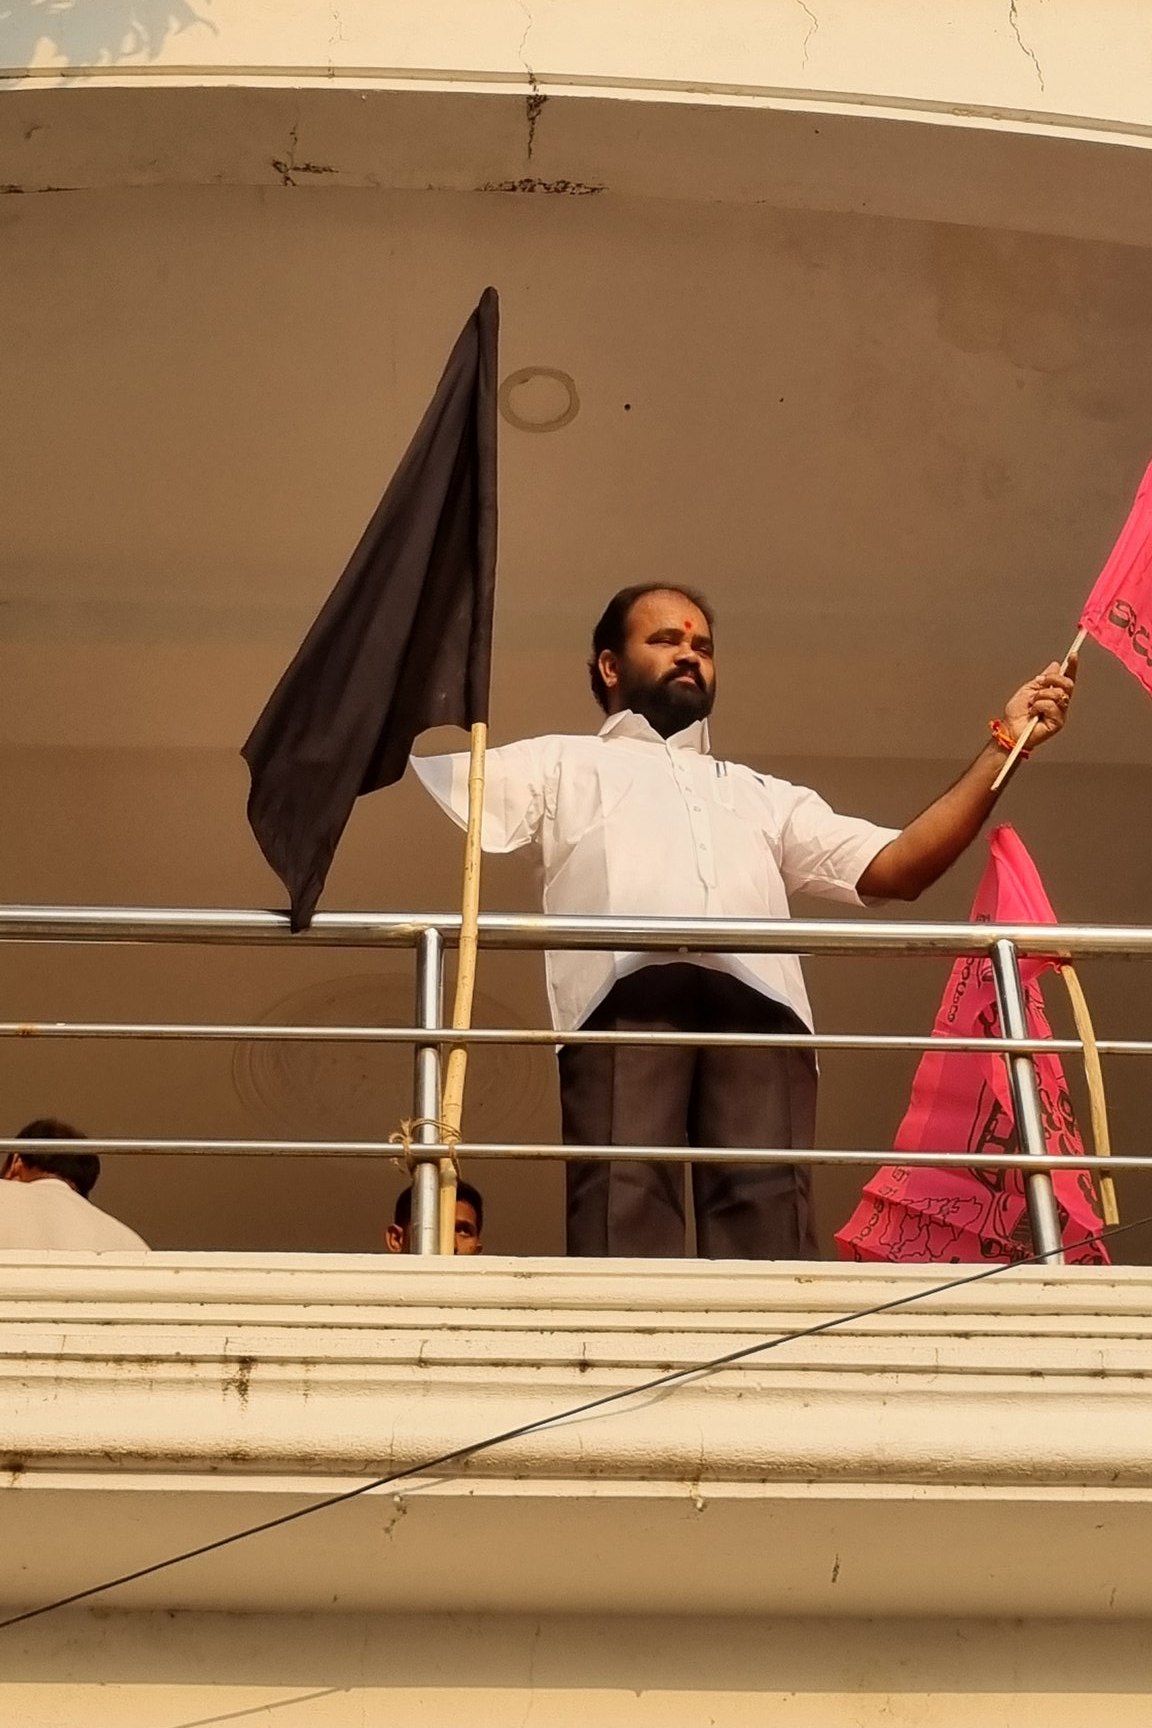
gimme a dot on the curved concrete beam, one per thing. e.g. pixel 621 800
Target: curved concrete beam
pixel 1011 63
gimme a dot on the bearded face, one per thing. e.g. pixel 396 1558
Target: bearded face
pixel 665 670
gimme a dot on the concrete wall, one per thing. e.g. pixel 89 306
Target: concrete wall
pixel 910 361
pixel 939 1515
pixel 1082 63
pixel 895 452
pixel 204 1671
pixel 857 301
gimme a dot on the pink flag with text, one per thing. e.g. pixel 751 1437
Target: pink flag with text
pixel 1118 612
pixel 961 1102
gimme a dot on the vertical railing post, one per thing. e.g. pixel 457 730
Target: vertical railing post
pixel 1042 1213
pixel 429 1012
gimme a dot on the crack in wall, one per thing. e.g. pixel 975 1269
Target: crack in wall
pixel 813 26
pixel 1014 21
pixel 534 103
pixel 521 51
pixel 336 36
pixel 534 107
pixel 552 188
pixel 530 1680
pixel 400 1510
pixel 288 167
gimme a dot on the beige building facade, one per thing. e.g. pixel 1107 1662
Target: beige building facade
pixel 936 1515
pixel 842 311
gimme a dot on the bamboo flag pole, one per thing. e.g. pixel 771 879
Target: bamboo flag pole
pixel 1022 742
pixel 452 1106
pixel 1097 1099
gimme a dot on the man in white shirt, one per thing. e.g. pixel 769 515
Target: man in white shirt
pixel 640 819
pixel 44 1198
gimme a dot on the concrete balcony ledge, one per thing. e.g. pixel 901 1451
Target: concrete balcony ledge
pixel 922 1461
pixel 1017 63
pixel 1026 117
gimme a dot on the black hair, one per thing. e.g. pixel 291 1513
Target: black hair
pixel 464 1191
pixel 81 1170
pixel 612 628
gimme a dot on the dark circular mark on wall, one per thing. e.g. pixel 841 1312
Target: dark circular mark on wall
pixel 539 399
pixel 360 1091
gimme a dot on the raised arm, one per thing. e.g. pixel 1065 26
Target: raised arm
pixel 932 842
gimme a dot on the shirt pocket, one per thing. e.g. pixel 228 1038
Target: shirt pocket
pixel 725 789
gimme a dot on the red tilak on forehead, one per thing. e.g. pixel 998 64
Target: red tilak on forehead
pixel 687 623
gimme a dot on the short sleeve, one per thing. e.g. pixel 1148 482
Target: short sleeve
pixel 515 781
pixel 824 853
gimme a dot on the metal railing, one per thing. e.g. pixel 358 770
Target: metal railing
pixel 428 934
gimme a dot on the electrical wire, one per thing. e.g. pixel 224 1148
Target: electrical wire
pixel 461 1454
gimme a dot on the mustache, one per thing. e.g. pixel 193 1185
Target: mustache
pixel 692 672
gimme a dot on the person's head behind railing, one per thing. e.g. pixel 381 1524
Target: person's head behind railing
pixel 81 1170
pixel 469 1222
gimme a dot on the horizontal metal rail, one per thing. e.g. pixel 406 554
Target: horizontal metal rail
pixel 544 1150
pixel 1000 946
pixel 193 1031
pixel 507 930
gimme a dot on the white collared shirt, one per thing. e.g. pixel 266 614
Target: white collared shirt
pixel 626 823
pixel 50 1214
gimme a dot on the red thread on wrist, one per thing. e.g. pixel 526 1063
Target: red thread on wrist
pixel 1005 739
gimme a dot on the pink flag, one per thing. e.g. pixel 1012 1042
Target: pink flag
pixel 1118 611
pixel 961 1103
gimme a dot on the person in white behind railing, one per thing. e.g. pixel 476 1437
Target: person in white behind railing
pixel 642 820
pixel 44 1197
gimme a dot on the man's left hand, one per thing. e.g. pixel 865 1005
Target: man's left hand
pixel 935 839
pixel 1044 699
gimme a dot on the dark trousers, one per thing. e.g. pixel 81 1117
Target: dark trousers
pixel 683 1096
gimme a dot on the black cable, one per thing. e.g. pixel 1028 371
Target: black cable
pixel 461 1453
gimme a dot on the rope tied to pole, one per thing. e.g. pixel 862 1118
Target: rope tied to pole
pixel 405 1137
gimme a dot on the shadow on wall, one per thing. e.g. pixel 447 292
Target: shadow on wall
pixel 91 32
pixel 204 1670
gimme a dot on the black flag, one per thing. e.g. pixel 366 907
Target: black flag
pixel 404 640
